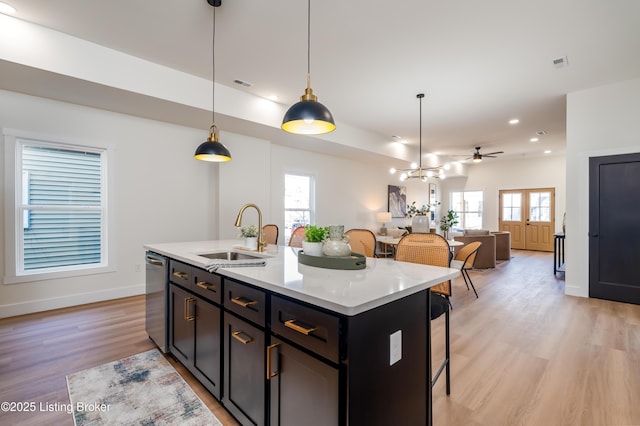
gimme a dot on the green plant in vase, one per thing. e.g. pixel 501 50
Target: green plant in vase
pixel 313 239
pixel 448 221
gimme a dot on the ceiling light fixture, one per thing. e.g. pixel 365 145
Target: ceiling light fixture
pixel 212 149
pixel 534 140
pixel 514 121
pixel 308 117
pixel 7 9
pixel 416 171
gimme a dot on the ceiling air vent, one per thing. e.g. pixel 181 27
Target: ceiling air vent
pixel 560 62
pixel 242 83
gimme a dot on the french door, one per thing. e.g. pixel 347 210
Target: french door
pixel 529 215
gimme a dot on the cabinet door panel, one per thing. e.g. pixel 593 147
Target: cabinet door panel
pixel 245 371
pixel 182 323
pixel 305 391
pixel 208 356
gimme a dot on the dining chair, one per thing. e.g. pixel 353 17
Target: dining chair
pixel 464 260
pixel 297 237
pixel 362 241
pixel 270 233
pixel 432 249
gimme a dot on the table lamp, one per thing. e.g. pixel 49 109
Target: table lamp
pixel 383 217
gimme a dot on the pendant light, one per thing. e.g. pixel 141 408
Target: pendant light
pixel 212 149
pixel 308 117
pixel 417 171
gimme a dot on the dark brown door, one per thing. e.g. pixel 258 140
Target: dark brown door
pixel 182 306
pixel 244 371
pixel 614 227
pixel 304 391
pixel 208 356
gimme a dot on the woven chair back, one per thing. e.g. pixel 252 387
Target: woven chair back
pixel 362 241
pixel 427 249
pixel 270 233
pixel 467 254
pixel 297 237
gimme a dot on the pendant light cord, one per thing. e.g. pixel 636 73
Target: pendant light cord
pixel 309 43
pixel 420 96
pixel 213 69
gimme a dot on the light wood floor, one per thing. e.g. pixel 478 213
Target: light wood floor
pixel 522 354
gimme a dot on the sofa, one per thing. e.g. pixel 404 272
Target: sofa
pixel 486 257
pixel 503 245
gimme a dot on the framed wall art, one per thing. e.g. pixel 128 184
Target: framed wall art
pixel 397 196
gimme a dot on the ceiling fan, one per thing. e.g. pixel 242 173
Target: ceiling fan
pixel 477 157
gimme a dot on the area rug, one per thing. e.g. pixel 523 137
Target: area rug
pixel 142 389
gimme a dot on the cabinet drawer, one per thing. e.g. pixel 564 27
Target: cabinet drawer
pixel 245 301
pixel 312 329
pixel 207 285
pixel 180 273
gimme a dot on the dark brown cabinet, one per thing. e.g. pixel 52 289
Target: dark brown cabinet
pixel 195 328
pixel 303 390
pixel 244 372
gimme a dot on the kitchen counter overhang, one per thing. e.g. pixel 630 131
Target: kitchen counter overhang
pixel 346 292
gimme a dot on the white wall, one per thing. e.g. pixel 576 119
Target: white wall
pixel 162 194
pixel 491 177
pixel 600 121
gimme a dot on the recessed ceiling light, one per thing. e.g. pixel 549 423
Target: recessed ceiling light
pixel 514 121
pixel 541 132
pixel 7 9
pixel 547 151
pixel 272 97
pixel 534 140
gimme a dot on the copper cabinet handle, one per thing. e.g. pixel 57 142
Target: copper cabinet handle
pixel 236 335
pixel 203 284
pixel 244 302
pixel 182 275
pixel 292 325
pixel 270 374
pixel 188 316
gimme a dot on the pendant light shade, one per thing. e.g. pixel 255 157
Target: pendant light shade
pixel 212 149
pixel 308 117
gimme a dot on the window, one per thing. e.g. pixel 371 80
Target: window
pixel 298 202
pixel 468 205
pixel 512 207
pixel 60 208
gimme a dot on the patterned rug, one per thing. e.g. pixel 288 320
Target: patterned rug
pixel 142 389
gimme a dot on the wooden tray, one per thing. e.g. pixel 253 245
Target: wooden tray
pixel 355 261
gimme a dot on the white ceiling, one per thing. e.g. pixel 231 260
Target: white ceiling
pixel 479 63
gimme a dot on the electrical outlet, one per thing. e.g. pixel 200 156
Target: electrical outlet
pixel 395 347
pixel 137 267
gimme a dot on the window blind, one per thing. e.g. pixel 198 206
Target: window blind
pixel 62 207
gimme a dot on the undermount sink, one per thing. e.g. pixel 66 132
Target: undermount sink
pixel 230 255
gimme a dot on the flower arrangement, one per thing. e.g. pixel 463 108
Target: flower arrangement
pixel 413 210
pixel 249 231
pixel 315 234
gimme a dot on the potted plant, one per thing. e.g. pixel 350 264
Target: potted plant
pixel 420 215
pixel 447 222
pixel 250 235
pixel 313 238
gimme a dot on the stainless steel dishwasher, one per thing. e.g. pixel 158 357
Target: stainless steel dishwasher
pixel 157 299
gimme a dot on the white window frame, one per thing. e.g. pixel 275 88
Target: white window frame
pixel 461 225
pixel 14 140
pixel 312 195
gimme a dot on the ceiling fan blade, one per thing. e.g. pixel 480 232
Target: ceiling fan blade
pixel 493 153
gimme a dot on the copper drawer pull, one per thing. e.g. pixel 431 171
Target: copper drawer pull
pixel 182 275
pixel 244 302
pixel 292 325
pixel 204 285
pixel 270 374
pixel 236 335
pixel 188 316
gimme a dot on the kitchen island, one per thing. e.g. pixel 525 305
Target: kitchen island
pixel 287 343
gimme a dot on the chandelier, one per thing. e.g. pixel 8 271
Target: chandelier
pixel 416 171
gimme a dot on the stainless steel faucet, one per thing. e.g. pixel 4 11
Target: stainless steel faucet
pixel 262 245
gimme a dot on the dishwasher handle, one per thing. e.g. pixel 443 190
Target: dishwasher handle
pixel 152 260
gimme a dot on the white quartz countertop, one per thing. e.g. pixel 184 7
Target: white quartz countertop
pixel 347 292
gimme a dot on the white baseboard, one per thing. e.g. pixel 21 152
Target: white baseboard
pixel 69 300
